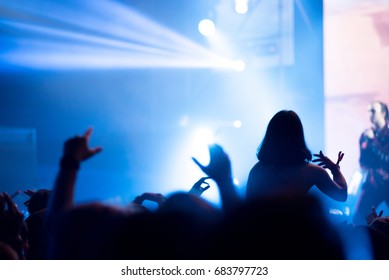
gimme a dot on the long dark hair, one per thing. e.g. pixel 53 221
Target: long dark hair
pixel 284 142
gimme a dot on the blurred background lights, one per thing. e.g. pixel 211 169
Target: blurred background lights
pixel 201 138
pixel 241 6
pixel 204 136
pixel 239 65
pixel 357 177
pixel 237 124
pixel 184 121
pixel 207 27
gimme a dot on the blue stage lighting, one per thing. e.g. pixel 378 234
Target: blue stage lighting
pixel 108 34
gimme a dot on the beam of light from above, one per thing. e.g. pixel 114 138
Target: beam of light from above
pixel 81 34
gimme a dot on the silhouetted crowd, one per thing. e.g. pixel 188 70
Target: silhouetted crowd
pixel 277 220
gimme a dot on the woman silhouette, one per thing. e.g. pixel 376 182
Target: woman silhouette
pixel 284 166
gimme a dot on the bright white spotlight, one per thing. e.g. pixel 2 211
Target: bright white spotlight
pixel 237 124
pixel 236 182
pixel 238 65
pixel 206 27
pixel 204 136
pixel 200 141
pixel 241 6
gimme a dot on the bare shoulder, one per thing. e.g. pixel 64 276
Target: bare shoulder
pixel 313 170
pixel 313 167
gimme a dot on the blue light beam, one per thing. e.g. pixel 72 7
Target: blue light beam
pixel 81 34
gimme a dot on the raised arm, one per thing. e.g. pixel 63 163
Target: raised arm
pixel 75 151
pixel 219 169
pixel 336 187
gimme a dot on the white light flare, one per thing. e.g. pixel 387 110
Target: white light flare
pixel 238 65
pixel 207 27
pixel 241 6
pixel 202 138
pixel 237 124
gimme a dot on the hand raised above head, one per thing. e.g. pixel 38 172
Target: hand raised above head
pixel 8 207
pixel 78 147
pixel 373 215
pixel 29 192
pixel 219 167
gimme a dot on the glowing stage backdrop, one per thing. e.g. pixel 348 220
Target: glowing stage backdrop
pixel 356 44
pixel 155 90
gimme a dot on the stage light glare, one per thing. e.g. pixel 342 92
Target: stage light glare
pixel 239 65
pixel 82 35
pixel 237 124
pixel 204 136
pixel 241 6
pixel 236 182
pixel 206 27
pixel 201 139
pixel 356 180
pixel 336 212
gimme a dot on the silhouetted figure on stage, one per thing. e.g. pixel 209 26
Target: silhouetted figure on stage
pixel 284 164
pixel 374 160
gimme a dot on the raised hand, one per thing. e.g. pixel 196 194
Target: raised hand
pixel 219 167
pixel 12 224
pixel 340 157
pixel 325 162
pixel 373 215
pixel 197 188
pixel 78 147
pixel 9 211
pixel 29 192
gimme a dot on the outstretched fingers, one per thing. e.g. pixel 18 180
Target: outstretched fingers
pixel 202 167
pixel 320 156
pixel 202 180
pixel 29 192
pixel 340 157
pixel 206 187
pixel 12 208
pixel 94 151
pixel 88 133
pixel 91 151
